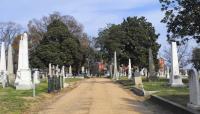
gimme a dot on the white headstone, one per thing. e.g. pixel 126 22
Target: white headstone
pixel 175 78
pixel 194 89
pixel 70 70
pixel 36 76
pixel 129 69
pixel 50 70
pixel 3 72
pixel 82 69
pixel 167 73
pixel 23 78
pixel 57 71
pixel 63 71
pixel 11 76
pixel 115 66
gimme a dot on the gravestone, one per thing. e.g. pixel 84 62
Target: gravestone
pixel 70 71
pixel 11 76
pixel 115 76
pixel 23 78
pixel 129 69
pixel 175 78
pixel 152 73
pixel 137 78
pixel 194 89
pixel 36 76
pixel 63 71
pixel 167 73
pixel 3 72
pixel 50 70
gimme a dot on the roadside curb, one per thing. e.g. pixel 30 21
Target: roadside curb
pixel 179 109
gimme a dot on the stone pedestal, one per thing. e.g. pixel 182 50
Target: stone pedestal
pixel 194 89
pixel 23 80
pixel 175 79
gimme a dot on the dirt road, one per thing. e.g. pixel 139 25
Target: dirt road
pixel 99 96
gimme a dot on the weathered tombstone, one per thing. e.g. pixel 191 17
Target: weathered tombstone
pixel 194 89
pixel 137 78
pixel 115 76
pixel 3 72
pixel 152 73
pixel 50 70
pixel 70 71
pixel 82 69
pixel 129 69
pixel 53 70
pixel 11 76
pixel 167 73
pixel 175 78
pixel 63 71
pixel 111 70
pixel 36 76
pixel 23 77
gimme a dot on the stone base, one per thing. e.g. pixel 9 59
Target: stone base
pixel 23 80
pixel 24 87
pixel 193 106
pixel 177 85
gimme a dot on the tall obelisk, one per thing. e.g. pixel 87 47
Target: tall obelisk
pixel 175 78
pixel 23 78
pixel 129 69
pixel 11 76
pixel 3 71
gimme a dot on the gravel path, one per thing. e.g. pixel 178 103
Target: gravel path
pixel 100 96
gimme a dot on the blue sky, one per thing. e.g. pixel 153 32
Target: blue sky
pixel 93 14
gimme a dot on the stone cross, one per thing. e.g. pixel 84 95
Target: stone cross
pixel 175 78
pixel 23 79
pixel 194 89
pixel 129 69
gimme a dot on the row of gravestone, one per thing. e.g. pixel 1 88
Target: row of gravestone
pixel 23 78
pixel 175 79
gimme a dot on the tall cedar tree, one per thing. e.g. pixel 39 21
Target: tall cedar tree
pixel 58 47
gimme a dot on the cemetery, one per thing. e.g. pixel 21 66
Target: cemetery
pixel 78 61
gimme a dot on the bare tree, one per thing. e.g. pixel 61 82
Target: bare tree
pixel 8 31
pixel 184 55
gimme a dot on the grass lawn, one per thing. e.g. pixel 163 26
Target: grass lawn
pixel 17 101
pixel 175 94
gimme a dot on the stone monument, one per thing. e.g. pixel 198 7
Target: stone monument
pixel 116 75
pixel 175 78
pixel 11 76
pixel 3 72
pixel 194 89
pixel 70 71
pixel 152 73
pixel 23 77
pixel 129 69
